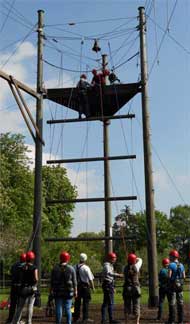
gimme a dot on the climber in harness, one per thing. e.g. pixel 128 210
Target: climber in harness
pixel 163 286
pixel 85 283
pixel 63 287
pixel 15 286
pixel 176 274
pixel 113 78
pixel 28 288
pixel 82 87
pixel 131 287
pixel 108 287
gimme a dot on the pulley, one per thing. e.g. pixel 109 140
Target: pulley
pixel 96 48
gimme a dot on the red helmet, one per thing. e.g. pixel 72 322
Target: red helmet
pixel 106 72
pixel 23 257
pixel 132 258
pixel 83 76
pixel 165 261
pixel 112 256
pixel 30 256
pixel 174 254
pixel 94 71
pixel 64 256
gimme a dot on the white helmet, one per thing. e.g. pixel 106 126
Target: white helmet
pixel 83 257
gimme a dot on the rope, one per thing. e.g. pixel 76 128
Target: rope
pixel 90 21
pixel 163 37
pixel 7 17
pixel 16 49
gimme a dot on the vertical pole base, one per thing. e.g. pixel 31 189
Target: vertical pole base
pixel 153 301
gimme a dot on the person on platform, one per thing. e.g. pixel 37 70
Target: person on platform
pixel 131 287
pixel 83 86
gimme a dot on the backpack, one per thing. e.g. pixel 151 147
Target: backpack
pixel 177 282
pixel 131 287
pixel 62 285
pixel 80 283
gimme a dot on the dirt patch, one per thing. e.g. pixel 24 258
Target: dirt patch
pixel 148 315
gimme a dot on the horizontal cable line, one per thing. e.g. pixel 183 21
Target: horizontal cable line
pixel 90 21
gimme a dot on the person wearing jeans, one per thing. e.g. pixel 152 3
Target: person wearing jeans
pixel 61 304
pixel 63 287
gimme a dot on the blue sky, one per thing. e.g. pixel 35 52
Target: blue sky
pixel 69 46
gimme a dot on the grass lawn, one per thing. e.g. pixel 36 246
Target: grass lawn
pixel 97 296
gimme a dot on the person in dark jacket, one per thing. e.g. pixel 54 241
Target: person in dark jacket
pixel 131 287
pixel 63 287
pixel 29 280
pixel 15 285
pixel 82 87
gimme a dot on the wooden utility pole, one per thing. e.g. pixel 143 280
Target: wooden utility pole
pixel 108 215
pixel 149 190
pixel 38 153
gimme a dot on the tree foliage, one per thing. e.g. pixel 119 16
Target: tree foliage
pixel 16 200
pixel 180 221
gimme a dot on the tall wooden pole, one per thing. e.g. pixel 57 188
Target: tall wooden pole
pixel 38 153
pixel 149 190
pixel 108 214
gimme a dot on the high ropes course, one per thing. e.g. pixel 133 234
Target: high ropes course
pixel 99 102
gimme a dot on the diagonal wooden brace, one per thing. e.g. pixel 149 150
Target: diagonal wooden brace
pixel 21 103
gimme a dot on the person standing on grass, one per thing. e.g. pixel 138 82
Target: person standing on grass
pixel 131 287
pixel 63 287
pixel 84 284
pixel 29 280
pixel 176 274
pixel 15 285
pixel 108 287
pixel 163 286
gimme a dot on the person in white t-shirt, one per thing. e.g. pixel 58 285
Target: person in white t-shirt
pixel 85 283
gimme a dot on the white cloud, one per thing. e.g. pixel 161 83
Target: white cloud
pixel 11 121
pixel 54 83
pixel 80 179
pixel 76 178
pixel 93 215
pixel 89 219
pixel 161 180
pixel 24 51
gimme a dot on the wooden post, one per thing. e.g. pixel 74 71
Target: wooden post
pixel 149 190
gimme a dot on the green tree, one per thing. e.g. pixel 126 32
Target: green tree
pixel 16 201
pixel 180 221
pixel 16 193
pixel 134 226
pixel 56 219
